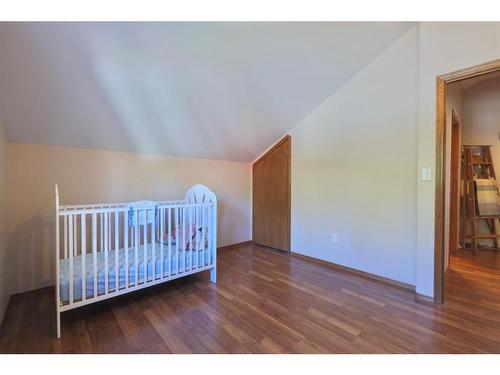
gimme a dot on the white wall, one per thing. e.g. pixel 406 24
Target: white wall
pixel 444 47
pixel 4 268
pixel 86 176
pixel 454 99
pixel 353 169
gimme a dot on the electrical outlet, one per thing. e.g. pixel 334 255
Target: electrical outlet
pixel 334 238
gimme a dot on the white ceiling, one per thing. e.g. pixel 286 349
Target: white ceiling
pixel 209 90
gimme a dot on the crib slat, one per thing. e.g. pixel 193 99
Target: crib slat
pixel 169 242
pixel 65 237
pixel 94 251
pixel 195 246
pixel 181 240
pixel 70 224
pixel 145 246
pixel 162 237
pixel 194 263
pixel 58 265
pixel 106 248
pixel 125 247
pixel 75 236
pixel 188 228
pixel 136 242
pixel 202 219
pixel 190 237
pixel 206 234
pixel 117 230
pixel 213 229
pixel 153 247
pixel 200 246
pixel 184 242
pixel 177 213
pixel 83 255
pixel 101 223
pixel 109 232
pixel 197 224
pixel 210 234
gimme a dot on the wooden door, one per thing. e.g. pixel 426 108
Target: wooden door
pixel 454 174
pixel 271 197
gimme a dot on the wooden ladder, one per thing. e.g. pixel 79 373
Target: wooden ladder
pixel 473 168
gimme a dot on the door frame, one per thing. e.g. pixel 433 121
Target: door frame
pixel 440 189
pixel 454 164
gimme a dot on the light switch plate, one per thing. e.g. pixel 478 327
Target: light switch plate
pixel 426 174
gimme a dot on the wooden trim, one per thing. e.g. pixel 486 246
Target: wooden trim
pixel 421 298
pixel 289 208
pixel 440 189
pixel 363 274
pixel 473 71
pixel 235 246
pixel 29 293
pixel 454 164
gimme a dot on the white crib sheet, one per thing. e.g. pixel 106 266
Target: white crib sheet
pixel 182 262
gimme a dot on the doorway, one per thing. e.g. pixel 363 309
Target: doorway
pixel 446 157
pixel 271 197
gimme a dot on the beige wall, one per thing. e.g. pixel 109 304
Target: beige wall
pixel 86 176
pixel 4 286
pixel 443 47
pixel 454 100
pixel 353 169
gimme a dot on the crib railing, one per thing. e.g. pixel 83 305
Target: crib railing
pixel 129 248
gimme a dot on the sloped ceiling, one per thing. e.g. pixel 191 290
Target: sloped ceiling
pixel 207 90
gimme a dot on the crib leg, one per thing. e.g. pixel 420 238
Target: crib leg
pixel 213 275
pixel 58 323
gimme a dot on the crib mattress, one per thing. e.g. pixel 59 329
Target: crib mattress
pixel 179 263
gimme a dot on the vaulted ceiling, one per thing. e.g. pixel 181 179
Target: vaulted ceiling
pixel 207 90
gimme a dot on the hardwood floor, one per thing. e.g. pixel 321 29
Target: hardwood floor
pixel 266 301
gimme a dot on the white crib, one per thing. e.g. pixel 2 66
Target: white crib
pixel 106 250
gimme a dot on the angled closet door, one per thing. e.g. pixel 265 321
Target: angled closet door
pixel 271 197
